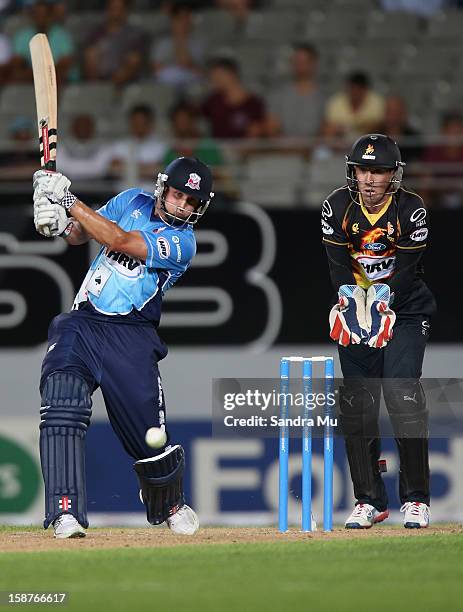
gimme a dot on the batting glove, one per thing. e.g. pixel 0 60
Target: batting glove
pixel 55 186
pixel 380 317
pixel 51 219
pixel 348 323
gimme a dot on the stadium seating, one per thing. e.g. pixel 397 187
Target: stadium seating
pixel 401 52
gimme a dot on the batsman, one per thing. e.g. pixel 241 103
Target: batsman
pixel 375 233
pixel 109 339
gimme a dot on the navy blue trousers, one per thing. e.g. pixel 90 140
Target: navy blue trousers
pixel 121 359
pixel 400 364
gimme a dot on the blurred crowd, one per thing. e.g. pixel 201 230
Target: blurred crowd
pixel 215 113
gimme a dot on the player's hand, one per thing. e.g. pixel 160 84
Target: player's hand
pixel 348 323
pixel 50 219
pixel 53 185
pixel 380 317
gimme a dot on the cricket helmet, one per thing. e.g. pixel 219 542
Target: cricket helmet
pixel 374 151
pixel 191 176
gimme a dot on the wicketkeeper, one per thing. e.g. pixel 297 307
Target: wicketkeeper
pixel 109 339
pixel 375 232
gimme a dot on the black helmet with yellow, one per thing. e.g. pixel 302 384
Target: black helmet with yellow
pixel 374 151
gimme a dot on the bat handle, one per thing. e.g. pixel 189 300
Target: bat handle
pixel 50 165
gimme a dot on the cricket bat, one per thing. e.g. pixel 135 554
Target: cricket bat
pixel 43 68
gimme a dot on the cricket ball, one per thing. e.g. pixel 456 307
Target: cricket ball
pixel 156 437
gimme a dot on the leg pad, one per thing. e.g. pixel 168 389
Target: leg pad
pixel 161 483
pixel 65 417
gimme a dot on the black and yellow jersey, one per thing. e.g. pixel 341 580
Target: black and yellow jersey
pixel 378 245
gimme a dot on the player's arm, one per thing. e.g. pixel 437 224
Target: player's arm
pixel 51 220
pixel 107 233
pixel 411 244
pixel 339 263
pixel 52 195
pixel 77 235
pixel 404 273
pixel 347 316
pixel 337 244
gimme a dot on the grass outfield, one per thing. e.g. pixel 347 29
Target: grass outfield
pixel 377 573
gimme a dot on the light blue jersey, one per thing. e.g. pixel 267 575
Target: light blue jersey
pixel 117 284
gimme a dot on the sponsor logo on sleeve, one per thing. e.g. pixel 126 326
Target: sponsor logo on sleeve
pixel 326 228
pixel 419 235
pixel 176 241
pixel 163 247
pixel 418 215
pixel 327 211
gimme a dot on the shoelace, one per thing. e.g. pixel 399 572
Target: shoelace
pixel 415 508
pixel 176 510
pixel 57 522
pixel 359 510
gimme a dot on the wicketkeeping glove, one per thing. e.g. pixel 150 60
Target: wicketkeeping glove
pixel 348 323
pixel 380 317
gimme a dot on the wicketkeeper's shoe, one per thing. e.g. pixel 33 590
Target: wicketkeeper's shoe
pixel 67 526
pixel 416 515
pixel 365 516
pixel 184 521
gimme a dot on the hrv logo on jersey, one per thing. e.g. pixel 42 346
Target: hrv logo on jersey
pixel 124 264
pixel 376 267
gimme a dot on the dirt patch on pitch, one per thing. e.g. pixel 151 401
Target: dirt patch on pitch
pixel 27 540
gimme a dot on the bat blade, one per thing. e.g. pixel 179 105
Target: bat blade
pixel 43 68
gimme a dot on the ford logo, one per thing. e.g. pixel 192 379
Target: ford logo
pixel 374 246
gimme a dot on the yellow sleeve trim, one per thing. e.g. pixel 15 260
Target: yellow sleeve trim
pixel 336 243
pixel 422 246
pixel 413 193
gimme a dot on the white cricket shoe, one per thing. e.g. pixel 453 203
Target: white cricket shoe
pixel 416 515
pixel 67 526
pixel 184 521
pixel 365 516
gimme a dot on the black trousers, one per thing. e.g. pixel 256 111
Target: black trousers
pixel 395 370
